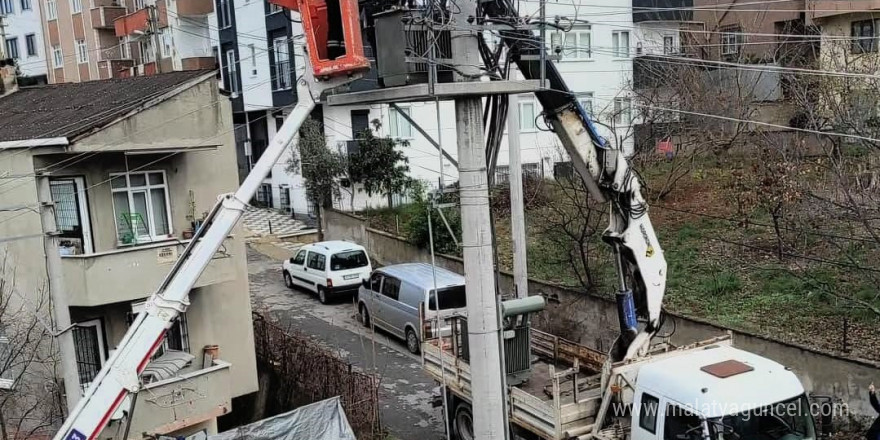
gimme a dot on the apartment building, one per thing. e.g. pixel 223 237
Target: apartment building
pixel 22 36
pixel 849 31
pixel 128 167
pixel 99 39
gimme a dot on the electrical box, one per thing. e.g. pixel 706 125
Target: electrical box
pixel 403 49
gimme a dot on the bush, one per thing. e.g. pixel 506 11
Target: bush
pixel 536 194
pixel 418 231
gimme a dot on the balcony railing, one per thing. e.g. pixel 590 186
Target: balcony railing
pixel 281 76
pixel 104 16
pixel 181 401
pixel 132 273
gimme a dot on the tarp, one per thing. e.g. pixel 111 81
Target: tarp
pixel 324 420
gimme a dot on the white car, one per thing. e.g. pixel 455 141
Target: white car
pixel 331 269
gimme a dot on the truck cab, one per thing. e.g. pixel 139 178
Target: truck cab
pixel 719 393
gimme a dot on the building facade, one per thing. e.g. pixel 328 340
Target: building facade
pixel 126 189
pixel 22 36
pixel 104 39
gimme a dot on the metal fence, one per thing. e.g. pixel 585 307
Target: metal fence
pixel 307 373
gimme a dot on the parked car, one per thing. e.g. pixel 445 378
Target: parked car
pixel 349 266
pixel 391 298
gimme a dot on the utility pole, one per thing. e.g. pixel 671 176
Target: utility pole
pixel 58 296
pixel 487 375
pixel 517 207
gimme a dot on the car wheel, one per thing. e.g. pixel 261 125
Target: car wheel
pixel 322 295
pixel 412 341
pixel 288 280
pixel 365 315
pixel 463 423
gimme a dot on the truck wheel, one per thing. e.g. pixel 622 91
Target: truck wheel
pixel 322 295
pixel 365 315
pixel 412 341
pixel 463 423
pixel 288 281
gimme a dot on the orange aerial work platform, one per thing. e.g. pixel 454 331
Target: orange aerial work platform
pixel 333 35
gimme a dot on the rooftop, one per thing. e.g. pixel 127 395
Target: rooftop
pixel 337 246
pixel 421 274
pixel 681 379
pixel 72 109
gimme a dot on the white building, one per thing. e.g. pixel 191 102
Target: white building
pixel 24 38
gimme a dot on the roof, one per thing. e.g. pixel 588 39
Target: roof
pixel 71 109
pixel 422 275
pixel 681 379
pixel 337 246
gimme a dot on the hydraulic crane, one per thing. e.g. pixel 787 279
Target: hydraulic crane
pixel 325 70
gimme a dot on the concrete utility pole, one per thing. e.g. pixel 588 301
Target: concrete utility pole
pixel 487 376
pixel 60 308
pixel 517 207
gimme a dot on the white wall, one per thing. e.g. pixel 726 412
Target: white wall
pixel 651 35
pixel 192 38
pixel 256 83
pixel 18 25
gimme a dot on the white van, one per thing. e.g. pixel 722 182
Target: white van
pixel 329 268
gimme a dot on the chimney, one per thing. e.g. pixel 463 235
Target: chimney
pixel 8 80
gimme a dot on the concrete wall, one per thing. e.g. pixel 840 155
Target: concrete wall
pixel 592 320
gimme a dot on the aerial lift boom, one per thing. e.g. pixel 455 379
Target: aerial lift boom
pixel 120 374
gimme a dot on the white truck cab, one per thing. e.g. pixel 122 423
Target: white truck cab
pixel 719 393
pixel 329 268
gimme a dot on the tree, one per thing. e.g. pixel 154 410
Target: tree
pixel 30 402
pixel 379 167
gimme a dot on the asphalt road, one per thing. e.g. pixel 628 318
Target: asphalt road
pixel 405 391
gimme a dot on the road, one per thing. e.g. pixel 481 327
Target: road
pixel 405 391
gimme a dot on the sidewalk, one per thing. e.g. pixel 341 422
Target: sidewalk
pixel 274 234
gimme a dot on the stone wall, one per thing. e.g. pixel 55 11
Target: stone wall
pixel 592 320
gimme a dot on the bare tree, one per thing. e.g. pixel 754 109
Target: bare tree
pixel 30 398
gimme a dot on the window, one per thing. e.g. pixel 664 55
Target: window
pixel 376 282
pixel 165 38
pixel 864 36
pixel 316 261
pixel 502 174
pixel 26 5
pixel 51 10
pixel 527 116
pixel 253 57
pixel 731 41
pixel 620 43
pixel 668 45
pixel 281 78
pixel 622 111
pixel 140 206
pixel 680 422
pixel 30 42
pixel 274 9
pixel 576 44
pixel 12 47
pixel 76 6
pixel 123 48
pixel 284 196
pixel 232 71
pixel 224 16
pixel 586 101
pixel 176 338
pixel 88 344
pixel 400 127
pixel 7 7
pixel 348 260
pixel 300 257
pixel 82 52
pixel 450 298
pixel 147 53
pixel 57 57
pixel 64 195
pixel 391 288
pixel 139 4
pixel 532 170
pixel 7 378
pixel 648 413
pixel 563 171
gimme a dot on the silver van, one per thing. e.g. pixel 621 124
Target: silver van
pixel 390 299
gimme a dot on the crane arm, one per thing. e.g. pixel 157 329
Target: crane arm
pixel 609 177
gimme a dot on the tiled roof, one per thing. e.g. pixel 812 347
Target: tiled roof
pixel 70 109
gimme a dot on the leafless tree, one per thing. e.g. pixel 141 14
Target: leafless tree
pixel 30 397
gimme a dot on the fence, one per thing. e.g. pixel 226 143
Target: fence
pixel 303 372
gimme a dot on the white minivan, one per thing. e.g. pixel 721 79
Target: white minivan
pixel 331 269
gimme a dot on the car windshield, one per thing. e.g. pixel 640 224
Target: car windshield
pixel 450 298
pixel 786 420
pixel 348 260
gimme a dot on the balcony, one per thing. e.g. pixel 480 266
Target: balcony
pixel 820 9
pixel 104 16
pixel 136 21
pixel 194 7
pixel 173 404
pixel 129 274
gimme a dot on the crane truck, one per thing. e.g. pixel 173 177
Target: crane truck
pixel 644 388
pixel 636 383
